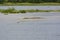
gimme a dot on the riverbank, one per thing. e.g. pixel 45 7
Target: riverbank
pixel 14 11
pixel 30 4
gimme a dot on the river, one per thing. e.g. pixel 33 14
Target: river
pixel 45 29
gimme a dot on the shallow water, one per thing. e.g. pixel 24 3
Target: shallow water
pixel 32 7
pixel 46 29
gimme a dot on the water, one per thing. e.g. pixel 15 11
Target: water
pixel 46 29
pixel 32 7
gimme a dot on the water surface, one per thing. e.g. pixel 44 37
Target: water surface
pixel 48 29
pixel 32 7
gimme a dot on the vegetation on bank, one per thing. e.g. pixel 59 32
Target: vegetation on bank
pixel 28 2
pixel 13 11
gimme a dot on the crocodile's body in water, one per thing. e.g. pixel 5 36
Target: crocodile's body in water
pixel 24 19
pixel 32 18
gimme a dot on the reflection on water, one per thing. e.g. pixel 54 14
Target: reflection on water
pixel 47 29
pixel 32 7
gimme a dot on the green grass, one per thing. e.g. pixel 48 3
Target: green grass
pixel 22 11
pixel 30 4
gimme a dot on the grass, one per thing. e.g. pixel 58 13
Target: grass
pixel 12 10
pixel 30 4
pixel 22 11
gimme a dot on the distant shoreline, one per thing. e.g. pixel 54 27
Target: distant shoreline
pixel 30 4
